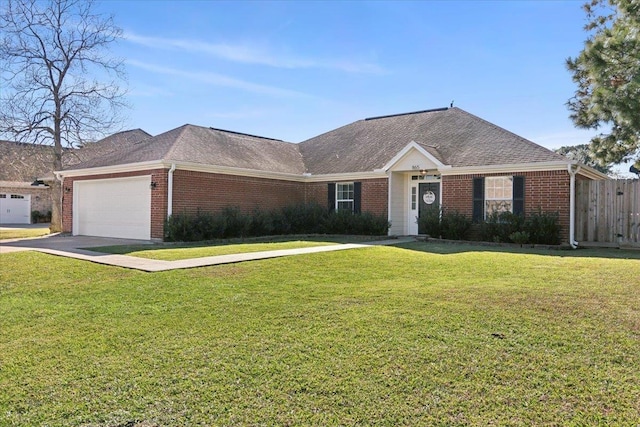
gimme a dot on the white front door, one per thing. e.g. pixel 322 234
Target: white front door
pixel 423 191
pixel 117 207
pixel 15 208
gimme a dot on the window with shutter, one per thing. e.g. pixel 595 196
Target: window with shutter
pixel 497 194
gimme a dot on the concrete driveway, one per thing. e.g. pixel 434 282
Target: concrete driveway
pixel 62 242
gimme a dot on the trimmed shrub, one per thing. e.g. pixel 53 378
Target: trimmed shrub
pixel 303 219
pixel 499 226
pixel 520 237
pixel 236 224
pixel 429 222
pixel 447 225
pixel 543 228
pixel 300 219
pixel 455 226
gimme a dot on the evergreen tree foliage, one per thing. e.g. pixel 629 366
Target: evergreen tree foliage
pixel 581 153
pixel 607 73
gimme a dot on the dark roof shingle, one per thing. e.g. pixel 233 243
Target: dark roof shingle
pixel 209 146
pixel 22 162
pixel 451 135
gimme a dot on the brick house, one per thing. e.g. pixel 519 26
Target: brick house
pixel 25 169
pixel 395 165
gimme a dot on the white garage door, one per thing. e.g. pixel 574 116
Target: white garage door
pixel 15 208
pixel 118 207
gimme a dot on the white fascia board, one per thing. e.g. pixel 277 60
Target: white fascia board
pixel 197 167
pixel 589 172
pixel 521 167
pixel 354 176
pixel 226 170
pixel 414 146
pixel 103 170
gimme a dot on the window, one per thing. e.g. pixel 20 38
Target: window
pixel 3 196
pixel 344 197
pixel 498 194
pixel 414 198
pixel 17 196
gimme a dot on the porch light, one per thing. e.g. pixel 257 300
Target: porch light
pixel 153 185
pixel 423 172
pixel 38 183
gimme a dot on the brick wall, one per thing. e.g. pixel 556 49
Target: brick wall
pixel 200 191
pixel 374 197
pixel 193 191
pixel 547 191
pixel 158 198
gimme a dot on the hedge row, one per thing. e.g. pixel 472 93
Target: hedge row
pixel 230 222
pixel 536 228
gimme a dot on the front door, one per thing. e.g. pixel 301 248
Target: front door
pixel 428 200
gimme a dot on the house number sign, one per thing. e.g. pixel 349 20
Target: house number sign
pixel 429 197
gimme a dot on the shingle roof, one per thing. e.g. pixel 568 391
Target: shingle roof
pixel 22 162
pixel 117 142
pixel 209 146
pixel 451 135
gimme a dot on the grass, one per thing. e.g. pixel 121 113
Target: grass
pixel 178 251
pixel 173 253
pixel 377 336
pixel 9 233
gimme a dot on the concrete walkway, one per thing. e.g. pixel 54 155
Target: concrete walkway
pixel 78 247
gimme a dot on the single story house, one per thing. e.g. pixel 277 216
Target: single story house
pixel 396 165
pixel 26 168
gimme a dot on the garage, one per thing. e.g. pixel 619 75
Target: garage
pixel 15 208
pixel 117 207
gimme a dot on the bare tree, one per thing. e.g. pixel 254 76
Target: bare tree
pixel 60 85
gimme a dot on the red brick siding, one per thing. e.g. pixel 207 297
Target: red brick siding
pixel 374 197
pixel 193 191
pixel 158 198
pixel 547 191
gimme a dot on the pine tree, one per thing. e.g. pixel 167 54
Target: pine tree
pixel 607 73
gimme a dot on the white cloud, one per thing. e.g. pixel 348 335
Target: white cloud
pixel 217 80
pixel 248 54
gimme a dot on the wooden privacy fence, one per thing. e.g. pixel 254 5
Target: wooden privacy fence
pixel 608 212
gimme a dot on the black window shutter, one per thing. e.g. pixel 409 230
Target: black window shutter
pixel 357 196
pixel 478 200
pixel 518 195
pixel 331 196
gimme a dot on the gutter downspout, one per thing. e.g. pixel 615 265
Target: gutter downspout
pixel 572 204
pixel 170 190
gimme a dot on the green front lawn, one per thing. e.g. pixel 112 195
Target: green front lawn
pixel 22 233
pixel 375 336
pixel 173 253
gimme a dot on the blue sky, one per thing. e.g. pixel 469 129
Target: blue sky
pixel 293 70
